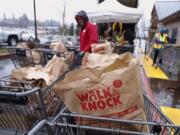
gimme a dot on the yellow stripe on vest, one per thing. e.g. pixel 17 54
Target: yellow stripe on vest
pixel 161 38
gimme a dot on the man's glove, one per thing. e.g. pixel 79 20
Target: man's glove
pixel 81 54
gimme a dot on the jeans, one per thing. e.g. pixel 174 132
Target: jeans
pixel 158 52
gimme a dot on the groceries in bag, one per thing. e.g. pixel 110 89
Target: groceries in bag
pixel 53 69
pixel 60 47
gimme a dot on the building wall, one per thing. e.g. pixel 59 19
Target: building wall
pixel 173 25
pixel 171 56
pixel 154 19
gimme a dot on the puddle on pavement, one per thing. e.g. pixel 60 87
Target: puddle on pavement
pixel 167 93
pixel 6 65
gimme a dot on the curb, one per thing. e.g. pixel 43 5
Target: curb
pixel 4 55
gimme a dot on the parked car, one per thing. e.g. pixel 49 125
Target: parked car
pixel 12 37
pixel 27 36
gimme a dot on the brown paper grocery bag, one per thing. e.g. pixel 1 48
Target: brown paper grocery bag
pixel 106 86
pixel 102 61
pixel 58 47
pixel 53 69
pixel 102 48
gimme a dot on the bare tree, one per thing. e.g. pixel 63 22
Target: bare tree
pixel 13 17
pixel 71 29
pixel 4 17
pixel 64 15
pixel 24 21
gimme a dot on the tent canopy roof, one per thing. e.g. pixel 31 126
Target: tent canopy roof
pixel 113 11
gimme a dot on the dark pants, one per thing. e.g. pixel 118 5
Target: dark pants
pixel 157 52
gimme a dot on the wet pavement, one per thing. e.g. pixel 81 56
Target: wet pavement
pixel 166 92
pixel 6 65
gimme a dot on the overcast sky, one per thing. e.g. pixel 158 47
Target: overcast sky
pixel 52 9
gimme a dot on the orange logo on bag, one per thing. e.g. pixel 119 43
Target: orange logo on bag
pixel 100 97
pixel 117 83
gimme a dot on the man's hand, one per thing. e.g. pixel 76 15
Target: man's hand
pixel 85 58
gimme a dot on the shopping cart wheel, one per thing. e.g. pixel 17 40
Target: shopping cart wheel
pixel 156 129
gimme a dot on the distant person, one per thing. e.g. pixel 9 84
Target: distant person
pixel 117 31
pixel 107 31
pixel 117 26
pixel 88 32
pixel 119 37
pixel 129 36
pixel 160 39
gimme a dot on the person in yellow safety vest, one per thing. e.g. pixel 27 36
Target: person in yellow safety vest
pixel 119 37
pixel 161 38
pixel 117 26
pixel 117 32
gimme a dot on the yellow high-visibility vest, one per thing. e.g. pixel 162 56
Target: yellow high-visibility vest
pixel 118 38
pixel 114 26
pixel 161 38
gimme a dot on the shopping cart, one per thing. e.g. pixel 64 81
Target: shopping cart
pixel 65 123
pixel 74 62
pixel 22 57
pixel 22 103
pixel 47 54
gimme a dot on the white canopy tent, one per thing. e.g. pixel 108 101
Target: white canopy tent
pixel 113 11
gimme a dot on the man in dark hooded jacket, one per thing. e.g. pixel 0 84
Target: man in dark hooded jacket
pixel 88 32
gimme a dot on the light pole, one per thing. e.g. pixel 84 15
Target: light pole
pixel 36 40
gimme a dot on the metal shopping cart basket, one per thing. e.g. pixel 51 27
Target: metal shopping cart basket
pixel 22 104
pixel 22 57
pixel 71 57
pixel 65 123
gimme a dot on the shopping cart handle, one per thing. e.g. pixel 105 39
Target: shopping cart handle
pixel 7 93
pixel 18 94
pixel 37 127
pixel 9 97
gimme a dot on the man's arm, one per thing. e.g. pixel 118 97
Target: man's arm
pixel 93 36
